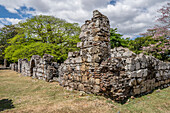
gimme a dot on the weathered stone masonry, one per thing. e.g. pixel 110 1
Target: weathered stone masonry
pixel 117 73
pixel 37 67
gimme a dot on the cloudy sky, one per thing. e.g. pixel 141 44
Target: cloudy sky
pixel 131 17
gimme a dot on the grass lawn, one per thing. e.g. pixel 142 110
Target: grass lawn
pixel 24 94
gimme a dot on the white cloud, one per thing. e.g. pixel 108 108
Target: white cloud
pixel 6 21
pixel 130 16
pixel 1 25
pixel 133 17
pixel 13 20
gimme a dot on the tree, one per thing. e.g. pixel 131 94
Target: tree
pixel 116 39
pixel 43 34
pixel 161 35
pixel 7 32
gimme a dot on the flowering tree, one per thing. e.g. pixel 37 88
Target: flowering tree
pixel 160 47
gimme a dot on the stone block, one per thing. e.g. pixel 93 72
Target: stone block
pixel 80 44
pixel 143 89
pixel 145 72
pixel 139 80
pixel 128 53
pixel 137 65
pixel 97 81
pixel 81 87
pixel 136 91
pixel 96 38
pixel 139 73
pixel 70 54
pixel 84 79
pixel 132 82
pixel 78 59
pixel 96 88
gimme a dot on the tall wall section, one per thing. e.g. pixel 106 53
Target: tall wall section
pixel 80 69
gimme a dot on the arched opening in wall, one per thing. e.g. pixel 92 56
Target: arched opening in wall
pixel 32 66
pixel 20 67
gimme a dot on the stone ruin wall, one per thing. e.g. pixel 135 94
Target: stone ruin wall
pixel 37 67
pixel 14 67
pixel 116 73
pixel 79 71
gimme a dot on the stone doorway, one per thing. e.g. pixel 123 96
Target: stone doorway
pixel 32 66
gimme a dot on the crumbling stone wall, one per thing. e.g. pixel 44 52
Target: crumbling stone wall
pixel 40 68
pixel 79 69
pixel 14 67
pixel 25 67
pixel 126 74
pixel 46 69
pixel 117 73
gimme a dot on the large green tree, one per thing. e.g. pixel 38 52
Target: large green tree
pixel 7 32
pixel 43 34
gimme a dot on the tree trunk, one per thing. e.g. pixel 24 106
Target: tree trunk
pixel 5 63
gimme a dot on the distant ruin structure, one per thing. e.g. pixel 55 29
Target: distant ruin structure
pixel 116 73
pixel 40 68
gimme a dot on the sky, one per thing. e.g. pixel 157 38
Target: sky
pixel 131 17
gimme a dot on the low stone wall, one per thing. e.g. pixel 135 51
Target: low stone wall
pixel 46 69
pixel 126 74
pixel 14 67
pixel 40 68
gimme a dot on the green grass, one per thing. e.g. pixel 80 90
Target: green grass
pixel 24 94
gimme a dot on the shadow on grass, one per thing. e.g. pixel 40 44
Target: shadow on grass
pixel 6 104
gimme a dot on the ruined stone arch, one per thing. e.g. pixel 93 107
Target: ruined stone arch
pixel 35 59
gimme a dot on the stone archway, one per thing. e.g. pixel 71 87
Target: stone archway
pixel 32 66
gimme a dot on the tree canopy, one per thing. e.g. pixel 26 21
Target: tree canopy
pixel 7 32
pixel 159 46
pixel 116 39
pixel 43 34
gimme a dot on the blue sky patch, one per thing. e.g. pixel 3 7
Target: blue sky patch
pixel 4 13
pixel 113 2
pixel 22 11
